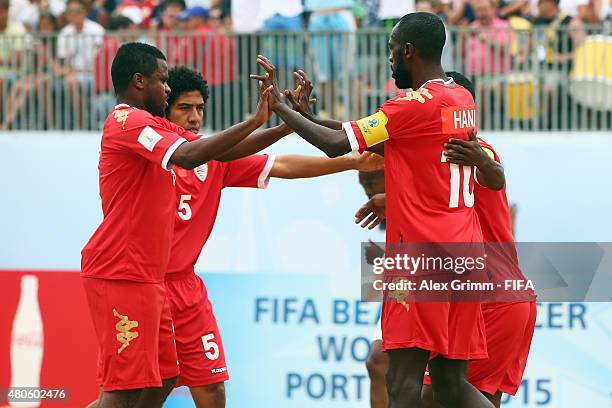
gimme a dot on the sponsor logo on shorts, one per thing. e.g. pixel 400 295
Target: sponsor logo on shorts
pixel 123 327
pixel 218 370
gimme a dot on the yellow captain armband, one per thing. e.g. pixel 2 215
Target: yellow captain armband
pixel 373 128
pixel 489 152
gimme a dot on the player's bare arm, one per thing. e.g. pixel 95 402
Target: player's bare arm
pixel 256 142
pixel 297 166
pixel 372 212
pixel 332 142
pixel 489 173
pixel 192 154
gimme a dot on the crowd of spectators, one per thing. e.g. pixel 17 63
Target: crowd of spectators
pixel 69 44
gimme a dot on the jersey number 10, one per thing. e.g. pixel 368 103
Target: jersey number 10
pixel 468 198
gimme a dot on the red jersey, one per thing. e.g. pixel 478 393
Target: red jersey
pixel 198 193
pixel 492 207
pixel 428 199
pixel 137 192
pixel 496 224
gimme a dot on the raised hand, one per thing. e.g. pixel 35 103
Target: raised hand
pixel 372 212
pixel 300 100
pixel 264 111
pixel 270 79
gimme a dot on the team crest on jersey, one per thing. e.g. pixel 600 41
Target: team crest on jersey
pixel 201 172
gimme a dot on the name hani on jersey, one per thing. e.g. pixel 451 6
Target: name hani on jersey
pixel 458 119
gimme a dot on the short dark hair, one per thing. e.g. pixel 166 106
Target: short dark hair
pixel 425 31
pixel 368 176
pixel 133 58
pixel 183 79
pixel 462 80
pixel 119 22
pixel 82 3
pixel 181 3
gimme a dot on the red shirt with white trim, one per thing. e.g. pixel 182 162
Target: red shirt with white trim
pixel 138 199
pixel 428 199
pixel 198 193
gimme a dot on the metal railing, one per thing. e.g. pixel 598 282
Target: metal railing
pixel 536 79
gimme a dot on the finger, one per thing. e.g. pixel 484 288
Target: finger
pixel 267 91
pixel 377 221
pixel 368 220
pixel 459 142
pixel 457 149
pixel 296 78
pixel 266 61
pixel 312 101
pixel 361 214
pixel 303 75
pixel 471 134
pixel 265 65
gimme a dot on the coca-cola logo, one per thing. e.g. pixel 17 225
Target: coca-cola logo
pixel 27 340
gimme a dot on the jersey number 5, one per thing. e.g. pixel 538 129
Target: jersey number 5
pixel 184 210
pixel 468 198
pixel 211 349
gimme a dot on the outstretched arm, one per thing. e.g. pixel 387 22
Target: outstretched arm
pixel 297 166
pixel 192 154
pixel 489 173
pixel 256 142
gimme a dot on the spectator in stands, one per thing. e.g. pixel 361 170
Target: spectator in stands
pixel 11 50
pixel 458 12
pixel 431 6
pixel 172 9
pixel 28 12
pixel 488 48
pixel 281 15
pixel 562 32
pixel 370 17
pixel 390 11
pixel 139 12
pixel 211 53
pixel 38 83
pixel 77 46
pixel 331 53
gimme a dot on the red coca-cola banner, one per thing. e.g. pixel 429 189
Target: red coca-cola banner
pixel 46 335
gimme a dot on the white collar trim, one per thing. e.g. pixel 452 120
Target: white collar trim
pixel 450 81
pixel 122 105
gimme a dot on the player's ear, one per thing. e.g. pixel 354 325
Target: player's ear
pixel 139 80
pixel 408 50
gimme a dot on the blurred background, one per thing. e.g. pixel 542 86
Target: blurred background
pixel 283 265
